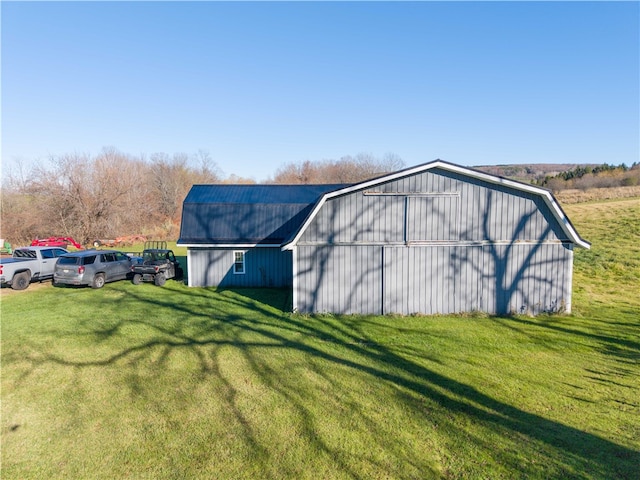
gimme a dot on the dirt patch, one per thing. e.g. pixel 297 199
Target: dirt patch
pixel 6 290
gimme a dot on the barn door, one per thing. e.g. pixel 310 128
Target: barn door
pixel 419 279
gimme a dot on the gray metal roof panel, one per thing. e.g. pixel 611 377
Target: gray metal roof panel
pixel 246 214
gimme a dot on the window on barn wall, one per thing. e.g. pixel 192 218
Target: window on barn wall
pixel 238 262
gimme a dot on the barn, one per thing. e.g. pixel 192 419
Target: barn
pixel 434 238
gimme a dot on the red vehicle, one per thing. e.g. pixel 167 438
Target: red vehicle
pixel 56 242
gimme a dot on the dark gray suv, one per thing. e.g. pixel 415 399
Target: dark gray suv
pixel 92 267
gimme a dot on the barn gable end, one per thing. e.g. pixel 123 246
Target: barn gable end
pixel 435 239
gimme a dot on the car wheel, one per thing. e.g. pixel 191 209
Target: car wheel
pixel 160 279
pixel 137 279
pixel 96 243
pixel 98 281
pixel 21 281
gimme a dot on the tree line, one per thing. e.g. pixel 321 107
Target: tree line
pixel 584 177
pixel 114 194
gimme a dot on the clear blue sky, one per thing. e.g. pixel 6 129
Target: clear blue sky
pixel 258 85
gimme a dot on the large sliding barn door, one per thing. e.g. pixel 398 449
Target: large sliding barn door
pixel 419 280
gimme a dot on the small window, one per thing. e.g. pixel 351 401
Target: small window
pixel 108 257
pixel 238 262
pixel 89 260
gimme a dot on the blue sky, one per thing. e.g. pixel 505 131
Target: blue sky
pixel 259 85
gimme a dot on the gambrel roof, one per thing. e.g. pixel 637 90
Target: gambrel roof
pixel 246 215
pixel 543 193
pixel 278 215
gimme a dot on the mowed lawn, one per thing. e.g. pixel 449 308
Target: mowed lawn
pixel 149 382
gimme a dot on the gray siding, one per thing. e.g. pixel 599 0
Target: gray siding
pixel 339 279
pixel 434 242
pixel 498 279
pixel 264 267
pixel 432 217
pixel 433 206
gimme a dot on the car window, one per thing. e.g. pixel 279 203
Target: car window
pixel 24 254
pixel 67 260
pixel 171 257
pixel 121 256
pixel 58 251
pixel 89 260
pixel 47 254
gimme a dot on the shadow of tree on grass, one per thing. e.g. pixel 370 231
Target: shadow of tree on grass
pixel 207 323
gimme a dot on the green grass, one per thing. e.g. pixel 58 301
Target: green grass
pixel 173 383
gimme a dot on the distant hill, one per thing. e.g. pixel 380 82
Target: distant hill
pixel 531 172
pixel 583 179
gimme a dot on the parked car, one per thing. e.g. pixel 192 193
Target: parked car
pixel 92 267
pixel 29 264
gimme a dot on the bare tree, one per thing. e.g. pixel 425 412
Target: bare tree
pixel 207 171
pixel 236 180
pixel 172 177
pixel 87 197
pixel 345 170
pixel 109 195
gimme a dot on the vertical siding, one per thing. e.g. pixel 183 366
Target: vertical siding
pixel 432 218
pixel 433 206
pixel 358 218
pixel 528 278
pixel 339 279
pixel 435 242
pixel 264 267
pixel 498 279
pixel 430 288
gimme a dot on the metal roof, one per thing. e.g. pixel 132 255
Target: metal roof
pixel 246 215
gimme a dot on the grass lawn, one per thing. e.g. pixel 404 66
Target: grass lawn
pixel 145 382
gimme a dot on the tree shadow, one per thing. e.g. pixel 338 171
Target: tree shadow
pixel 277 298
pixel 619 340
pixel 207 322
